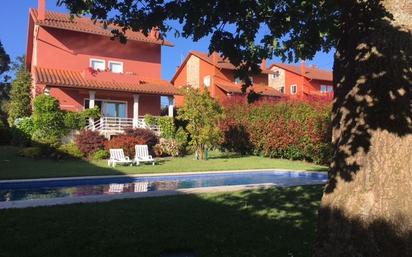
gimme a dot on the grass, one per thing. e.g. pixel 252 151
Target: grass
pixel 266 222
pixel 15 167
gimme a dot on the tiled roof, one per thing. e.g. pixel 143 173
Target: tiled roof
pixel 233 88
pixel 309 71
pixel 86 25
pixel 221 63
pixel 83 80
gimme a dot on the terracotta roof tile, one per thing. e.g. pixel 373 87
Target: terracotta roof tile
pixel 233 88
pixel 310 72
pixel 86 25
pixel 119 82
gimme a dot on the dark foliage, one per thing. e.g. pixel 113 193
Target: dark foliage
pixel 89 141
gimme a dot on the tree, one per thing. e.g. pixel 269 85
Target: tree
pixel 20 95
pixel 4 86
pixel 202 113
pixel 366 208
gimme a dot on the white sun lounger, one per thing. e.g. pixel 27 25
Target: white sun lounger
pixel 117 156
pixel 142 154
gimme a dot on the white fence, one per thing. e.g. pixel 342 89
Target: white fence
pixel 114 125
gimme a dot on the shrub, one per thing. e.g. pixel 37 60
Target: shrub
pixel 89 141
pixel 19 138
pixel 236 137
pixel 31 152
pixel 284 129
pixel 48 121
pixel 169 147
pixel 100 155
pixel 26 125
pixel 71 150
pixel 78 120
pixel 144 136
pixel 181 139
pixel 125 142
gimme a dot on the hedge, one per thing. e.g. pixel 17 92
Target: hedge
pixel 298 130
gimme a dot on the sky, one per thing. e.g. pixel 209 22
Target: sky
pixel 13 35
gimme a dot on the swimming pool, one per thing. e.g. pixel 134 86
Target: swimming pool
pixel 79 187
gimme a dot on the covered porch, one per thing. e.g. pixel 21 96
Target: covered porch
pixel 123 99
pixel 127 112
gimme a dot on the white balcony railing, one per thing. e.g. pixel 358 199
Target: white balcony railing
pixel 115 125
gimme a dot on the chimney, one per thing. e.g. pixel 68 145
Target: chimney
pixel 155 33
pixel 263 64
pixel 302 67
pixel 41 10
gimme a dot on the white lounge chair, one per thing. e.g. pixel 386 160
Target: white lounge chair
pixel 142 154
pixel 117 156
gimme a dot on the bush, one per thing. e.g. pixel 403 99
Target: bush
pixel 284 129
pixel 169 147
pixel 19 138
pixel 71 150
pixel 125 142
pixel 31 152
pixel 78 120
pixel 48 121
pixel 144 136
pixel 100 155
pixel 236 137
pixel 89 142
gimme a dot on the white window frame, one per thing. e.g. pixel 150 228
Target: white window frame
pixel 97 60
pixel 323 89
pixel 291 89
pixel 115 62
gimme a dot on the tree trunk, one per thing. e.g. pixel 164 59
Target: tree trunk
pixel 366 209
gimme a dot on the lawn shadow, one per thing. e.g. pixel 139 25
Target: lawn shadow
pixel 265 222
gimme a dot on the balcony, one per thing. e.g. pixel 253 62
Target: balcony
pixel 109 126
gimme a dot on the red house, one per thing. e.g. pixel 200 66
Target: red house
pixel 212 72
pixel 302 81
pixel 77 62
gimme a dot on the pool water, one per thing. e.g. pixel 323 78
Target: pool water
pixel 12 191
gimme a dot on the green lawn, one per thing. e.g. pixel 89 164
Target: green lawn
pixel 266 222
pixel 14 167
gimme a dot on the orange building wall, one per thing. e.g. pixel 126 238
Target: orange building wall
pixel 73 100
pixel 71 50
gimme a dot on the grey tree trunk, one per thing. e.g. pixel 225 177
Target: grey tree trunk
pixel 366 209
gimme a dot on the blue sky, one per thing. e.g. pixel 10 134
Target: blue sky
pixel 13 35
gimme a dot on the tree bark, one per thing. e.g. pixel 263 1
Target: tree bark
pixel 366 209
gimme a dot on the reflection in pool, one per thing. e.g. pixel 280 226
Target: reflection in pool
pixel 12 191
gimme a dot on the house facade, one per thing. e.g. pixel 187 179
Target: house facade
pixel 78 63
pixel 212 72
pixel 302 81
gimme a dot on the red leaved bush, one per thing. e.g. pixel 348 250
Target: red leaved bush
pixel 89 141
pixel 284 129
pixel 133 137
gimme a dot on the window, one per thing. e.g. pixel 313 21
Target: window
pixel 282 90
pixel 207 80
pixel 293 89
pixel 275 74
pixel 98 64
pixel 116 67
pixel 326 89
